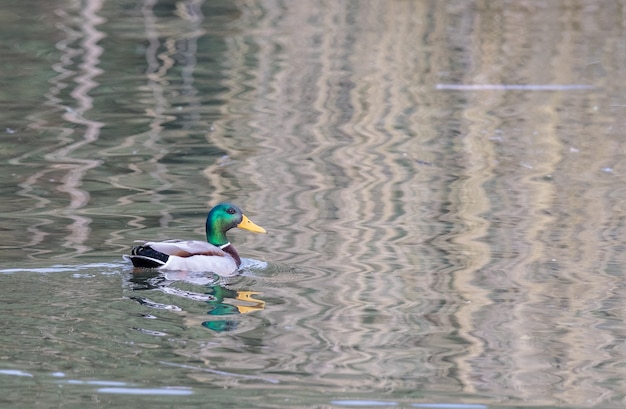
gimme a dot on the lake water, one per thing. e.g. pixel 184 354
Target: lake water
pixel 443 184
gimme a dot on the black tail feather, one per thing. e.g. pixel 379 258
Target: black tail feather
pixel 147 257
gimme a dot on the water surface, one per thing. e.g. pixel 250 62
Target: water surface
pixel 443 186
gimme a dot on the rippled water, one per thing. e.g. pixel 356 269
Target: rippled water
pixel 442 183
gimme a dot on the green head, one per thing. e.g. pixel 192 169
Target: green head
pixel 224 217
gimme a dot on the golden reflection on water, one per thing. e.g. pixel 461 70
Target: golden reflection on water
pixel 445 239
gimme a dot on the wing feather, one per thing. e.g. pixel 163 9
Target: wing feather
pixel 187 248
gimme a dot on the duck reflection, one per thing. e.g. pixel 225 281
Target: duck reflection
pixel 222 301
pixel 244 302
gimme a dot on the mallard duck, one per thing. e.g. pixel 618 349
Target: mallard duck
pixel 216 255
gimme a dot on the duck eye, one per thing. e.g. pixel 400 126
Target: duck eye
pixel 230 210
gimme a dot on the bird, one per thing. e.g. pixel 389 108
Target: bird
pixel 217 255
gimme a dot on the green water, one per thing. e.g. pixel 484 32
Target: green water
pixel 442 184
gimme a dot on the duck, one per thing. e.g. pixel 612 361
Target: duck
pixel 217 255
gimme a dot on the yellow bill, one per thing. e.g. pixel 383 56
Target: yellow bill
pixel 247 224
